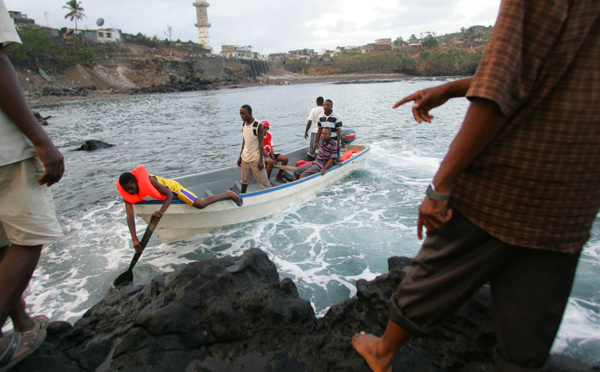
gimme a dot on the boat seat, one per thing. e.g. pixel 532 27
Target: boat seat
pixel 208 192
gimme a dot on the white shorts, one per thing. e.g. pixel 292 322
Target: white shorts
pixel 27 214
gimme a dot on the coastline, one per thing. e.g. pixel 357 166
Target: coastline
pixel 36 99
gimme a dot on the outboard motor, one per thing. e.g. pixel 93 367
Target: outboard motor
pixel 348 136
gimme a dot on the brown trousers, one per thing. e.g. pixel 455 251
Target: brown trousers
pixel 530 289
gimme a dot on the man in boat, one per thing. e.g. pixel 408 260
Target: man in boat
pixel 271 158
pixel 313 120
pixel 515 197
pixel 329 119
pixel 29 164
pixel 251 158
pixel 326 158
pixel 138 185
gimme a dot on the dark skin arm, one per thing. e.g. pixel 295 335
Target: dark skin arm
pixel 481 124
pixel 430 98
pixel 158 214
pixel 318 137
pixel 131 225
pixel 307 128
pixel 167 193
pixel 13 104
pixel 261 146
pixel 239 163
pixel 327 166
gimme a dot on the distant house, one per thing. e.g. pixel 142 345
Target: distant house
pixel 108 35
pixel 383 44
pixel 20 19
pixel 234 51
pixel 367 48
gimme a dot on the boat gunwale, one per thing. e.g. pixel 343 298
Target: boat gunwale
pixel 353 158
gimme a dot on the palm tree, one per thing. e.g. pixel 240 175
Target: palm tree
pixel 75 12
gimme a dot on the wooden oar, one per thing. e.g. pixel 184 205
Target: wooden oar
pixel 127 277
pixel 285 167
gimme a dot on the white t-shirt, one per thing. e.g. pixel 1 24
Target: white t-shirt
pixel 314 118
pixel 14 146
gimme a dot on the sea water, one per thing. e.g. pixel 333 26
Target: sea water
pixel 324 243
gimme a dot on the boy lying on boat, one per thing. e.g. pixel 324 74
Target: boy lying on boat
pixel 326 158
pixel 138 185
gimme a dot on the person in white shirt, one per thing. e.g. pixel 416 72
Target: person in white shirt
pixel 313 120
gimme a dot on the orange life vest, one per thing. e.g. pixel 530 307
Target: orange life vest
pixel 348 154
pixel 145 189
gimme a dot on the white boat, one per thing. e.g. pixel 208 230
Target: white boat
pixel 183 221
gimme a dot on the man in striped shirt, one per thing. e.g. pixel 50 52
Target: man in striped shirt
pixel 330 119
pixel 327 157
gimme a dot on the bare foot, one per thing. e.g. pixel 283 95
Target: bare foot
pixel 235 197
pixel 369 347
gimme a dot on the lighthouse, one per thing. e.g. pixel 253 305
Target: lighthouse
pixel 202 23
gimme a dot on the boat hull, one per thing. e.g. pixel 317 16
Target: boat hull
pixel 183 221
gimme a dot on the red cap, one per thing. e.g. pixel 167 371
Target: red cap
pixel 265 124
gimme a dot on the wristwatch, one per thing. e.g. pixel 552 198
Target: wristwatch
pixel 433 194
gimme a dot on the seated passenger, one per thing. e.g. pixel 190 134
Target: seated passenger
pixel 138 185
pixel 326 158
pixel 270 157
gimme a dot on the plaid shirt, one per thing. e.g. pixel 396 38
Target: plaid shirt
pixel 537 184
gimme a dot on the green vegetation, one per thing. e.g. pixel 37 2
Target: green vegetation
pixel 36 46
pixel 435 62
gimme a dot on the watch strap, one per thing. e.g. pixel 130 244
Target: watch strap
pixel 433 194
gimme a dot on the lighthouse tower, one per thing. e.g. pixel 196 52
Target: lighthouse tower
pixel 202 23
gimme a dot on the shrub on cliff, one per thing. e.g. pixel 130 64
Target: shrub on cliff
pixel 39 49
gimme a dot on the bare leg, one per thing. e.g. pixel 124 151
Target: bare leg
pixel 284 160
pixel 269 164
pixel 379 351
pixel 21 320
pixel 16 267
pixel 203 203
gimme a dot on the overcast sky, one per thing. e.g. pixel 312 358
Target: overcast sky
pixel 272 26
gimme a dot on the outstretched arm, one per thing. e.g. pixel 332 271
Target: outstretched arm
pixel 13 104
pixel 131 224
pixel 482 123
pixel 430 98
pixel 167 193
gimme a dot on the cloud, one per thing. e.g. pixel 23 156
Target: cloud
pixel 272 26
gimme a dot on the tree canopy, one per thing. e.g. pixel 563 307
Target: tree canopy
pixel 75 11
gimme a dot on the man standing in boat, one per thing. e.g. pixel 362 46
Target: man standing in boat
pixel 329 119
pixel 251 158
pixel 313 120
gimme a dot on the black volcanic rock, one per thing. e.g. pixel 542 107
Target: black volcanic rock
pixel 92 145
pixel 234 314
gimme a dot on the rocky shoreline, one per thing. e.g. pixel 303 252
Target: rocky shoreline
pixel 47 94
pixel 234 313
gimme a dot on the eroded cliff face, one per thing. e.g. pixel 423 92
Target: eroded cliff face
pixel 234 313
